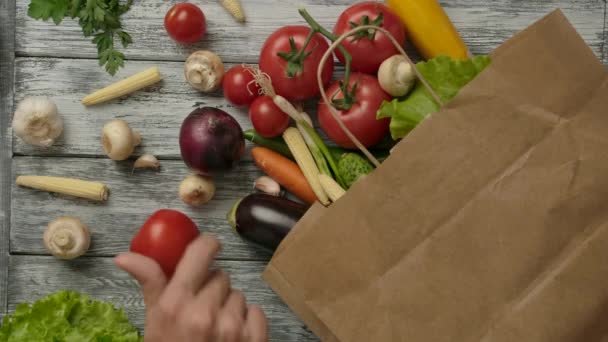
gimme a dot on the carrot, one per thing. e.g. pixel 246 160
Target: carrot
pixel 285 172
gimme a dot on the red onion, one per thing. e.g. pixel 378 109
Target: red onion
pixel 211 141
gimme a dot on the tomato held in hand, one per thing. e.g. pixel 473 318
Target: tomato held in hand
pixel 267 118
pixel 360 118
pixel 369 49
pixel 293 72
pixel 185 23
pixel 239 86
pixel 164 238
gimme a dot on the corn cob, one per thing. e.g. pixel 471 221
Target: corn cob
pixel 305 161
pixel 68 186
pixel 331 187
pixel 235 9
pixel 124 87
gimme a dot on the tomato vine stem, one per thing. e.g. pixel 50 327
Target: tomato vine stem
pixel 349 94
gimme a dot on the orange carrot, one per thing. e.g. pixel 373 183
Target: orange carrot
pixel 285 172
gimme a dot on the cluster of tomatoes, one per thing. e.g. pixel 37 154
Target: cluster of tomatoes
pixel 291 57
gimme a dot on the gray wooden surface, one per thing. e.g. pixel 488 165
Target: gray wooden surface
pixel 57 61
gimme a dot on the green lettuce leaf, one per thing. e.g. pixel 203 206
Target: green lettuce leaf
pixel 446 76
pixel 68 316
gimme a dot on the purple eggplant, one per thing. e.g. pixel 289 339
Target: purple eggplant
pixel 265 219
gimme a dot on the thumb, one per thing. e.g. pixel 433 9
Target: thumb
pixel 146 271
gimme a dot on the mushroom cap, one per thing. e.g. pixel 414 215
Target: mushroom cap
pixel 118 139
pixel 67 237
pixel 196 190
pixel 204 70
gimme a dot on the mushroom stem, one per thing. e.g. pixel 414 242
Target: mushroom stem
pixel 63 239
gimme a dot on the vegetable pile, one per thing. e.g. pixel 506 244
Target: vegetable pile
pixel 67 316
pixel 379 99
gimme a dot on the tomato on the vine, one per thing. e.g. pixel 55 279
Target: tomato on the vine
pixel 267 118
pixel 293 71
pixel 164 238
pixel 239 86
pixel 360 117
pixel 369 49
pixel 185 23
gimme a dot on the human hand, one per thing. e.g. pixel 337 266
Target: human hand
pixel 196 304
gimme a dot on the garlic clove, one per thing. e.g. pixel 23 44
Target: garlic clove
pixel 37 122
pixel 196 190
pixel 146 161
pixel 267 185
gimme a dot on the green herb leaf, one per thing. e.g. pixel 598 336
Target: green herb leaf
pixel 68 316
pixel 125 38
pixel 98 18
pixel 446 76
pixel 41 9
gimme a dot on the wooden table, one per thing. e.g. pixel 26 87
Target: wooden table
pixel 58 62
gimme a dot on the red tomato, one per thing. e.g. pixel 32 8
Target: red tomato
pixel 360 119
pixel 164 238
pixel 267 119
pixel 185 23
pixel 239 86
pixel 369 50
pixel 293 75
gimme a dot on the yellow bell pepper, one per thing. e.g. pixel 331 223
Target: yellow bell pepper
pixel 429 28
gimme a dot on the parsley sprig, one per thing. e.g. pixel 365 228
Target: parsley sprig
pixel 98 18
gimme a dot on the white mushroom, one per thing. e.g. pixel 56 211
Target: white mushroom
pixel 118 139
pixel 37 122
pixel 204 70
pixel 196 190
pixel 67 238
pixel 396 76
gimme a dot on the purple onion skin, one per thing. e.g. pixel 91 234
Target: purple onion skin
pixel 211 141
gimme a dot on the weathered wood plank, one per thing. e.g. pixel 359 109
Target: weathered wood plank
pixel 32 277
pixel 235 42
pixel 605 42
pixel 483 24
pixel 132 200
pixel 7 57
pixel 157 111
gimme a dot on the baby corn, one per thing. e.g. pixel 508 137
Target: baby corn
pixel 305 161
pixel 67 186
pixel 124 87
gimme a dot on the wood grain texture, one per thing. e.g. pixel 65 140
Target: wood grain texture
pixel 32 277
pixel 605 42
pixel 483 24
pixel 7 56
pixel 156 112
pixel 132 200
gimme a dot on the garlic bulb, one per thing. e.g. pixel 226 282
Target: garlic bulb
pixel 37 122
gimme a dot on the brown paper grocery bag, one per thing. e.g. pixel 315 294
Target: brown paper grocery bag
pixel 489 222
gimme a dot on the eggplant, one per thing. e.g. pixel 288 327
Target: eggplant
pixel 265 219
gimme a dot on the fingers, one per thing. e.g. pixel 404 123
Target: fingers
pixel 193 269
pixel 146 271
pixel 236 304
pixel 256 326
pixel 215 291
